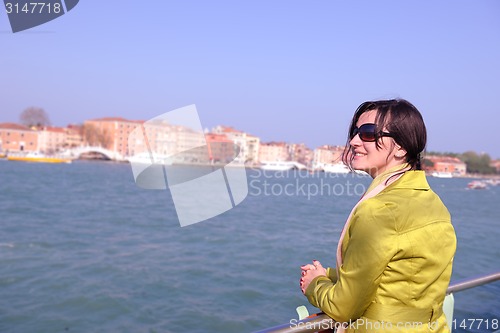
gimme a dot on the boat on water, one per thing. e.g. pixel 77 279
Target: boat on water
pixel 493 182
pixel 336 168
pixel 150 158
pixel 281 165
pixel 477 185
pixel 442 174
pixel 38 157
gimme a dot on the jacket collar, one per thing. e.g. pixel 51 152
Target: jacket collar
pixel 386 175
pixel 413 179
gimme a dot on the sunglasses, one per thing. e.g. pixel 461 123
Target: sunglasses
pixel 368 133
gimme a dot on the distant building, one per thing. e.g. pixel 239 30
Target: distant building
pixel 184 144
pixel 299 152
pixel 74 137
pixel 495 164
pixel 180 143
pixel 273 152
pixel 327 155
pixel 220 148
pixel 248 144
pixel 17 138
pixel 445 164
pixel 52 139
pixel 112 133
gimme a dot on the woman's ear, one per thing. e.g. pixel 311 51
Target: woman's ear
pixel 400 152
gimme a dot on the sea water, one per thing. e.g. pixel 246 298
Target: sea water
pixel 83 249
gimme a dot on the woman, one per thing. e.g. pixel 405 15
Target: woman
pixel 395 254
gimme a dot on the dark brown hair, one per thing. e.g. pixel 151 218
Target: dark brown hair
pixel 402 120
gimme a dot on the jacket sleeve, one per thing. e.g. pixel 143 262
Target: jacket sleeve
pixel 372 242
pixel 331 272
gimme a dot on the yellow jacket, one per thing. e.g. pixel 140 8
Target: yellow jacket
pixel 397 261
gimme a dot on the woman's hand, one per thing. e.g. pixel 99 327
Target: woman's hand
pixel 309 272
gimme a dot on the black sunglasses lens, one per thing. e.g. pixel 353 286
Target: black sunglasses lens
pixel 367 136
pixel 367 132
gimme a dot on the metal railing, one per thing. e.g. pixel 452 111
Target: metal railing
pixel 322 321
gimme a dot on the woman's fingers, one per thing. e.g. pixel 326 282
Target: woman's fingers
pixel 307 267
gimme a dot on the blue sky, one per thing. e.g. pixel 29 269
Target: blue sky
pixel 290 70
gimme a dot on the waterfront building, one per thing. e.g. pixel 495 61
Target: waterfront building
pixel 495 164
pixel 51 139
pixel 179 143
pixel 17 138
pixel 74 137
pixel 111 133
pixel 220 148
pixel 274 152
pixel 299 152
pixel 159 137
pixel 282 151
pixel 327 155
pixel 186 145
pixel 446 164
pixel 249 145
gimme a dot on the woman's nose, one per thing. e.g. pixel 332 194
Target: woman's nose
pixel 355 141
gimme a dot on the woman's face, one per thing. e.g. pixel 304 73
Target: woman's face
pixel 369 158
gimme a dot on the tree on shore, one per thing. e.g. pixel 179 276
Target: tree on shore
pixel 34 117
pixel 477 163
pixel 95 136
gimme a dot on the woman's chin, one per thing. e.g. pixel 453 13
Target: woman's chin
pixel 358 166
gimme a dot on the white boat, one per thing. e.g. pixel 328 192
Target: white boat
pixel 280 165
pixel 493 182
pixel 442 174
pixel 149 159
pixel 336 168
